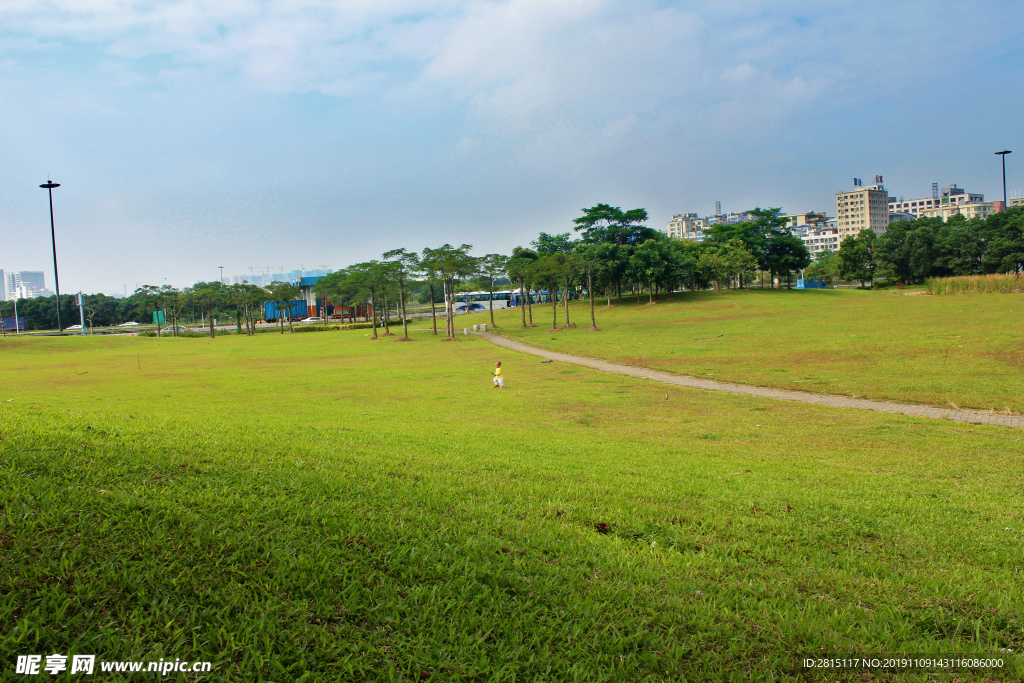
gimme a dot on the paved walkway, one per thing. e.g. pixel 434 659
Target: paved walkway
pixel 970 416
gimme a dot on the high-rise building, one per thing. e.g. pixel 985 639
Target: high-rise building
pixel 33 279
pixel 862 208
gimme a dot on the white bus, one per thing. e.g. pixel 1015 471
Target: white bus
pixel 473 302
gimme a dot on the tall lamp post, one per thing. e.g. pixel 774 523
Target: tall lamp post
pixel 49 185
pixel 1003 155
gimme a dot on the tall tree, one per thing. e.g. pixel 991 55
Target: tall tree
pixel 283 294
pixel 153 296
pixel 857 257
pixel 517 271
pixel 452 264
pixel 647 265
pixel 492 267
pixel 405 265
pixel 606 223
pixel 208 295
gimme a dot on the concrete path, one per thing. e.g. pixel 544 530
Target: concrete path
pixel 969 416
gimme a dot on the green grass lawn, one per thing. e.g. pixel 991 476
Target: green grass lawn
pixel 323 507
pixel 958 351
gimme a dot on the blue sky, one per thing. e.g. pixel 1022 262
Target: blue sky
pixel 190 134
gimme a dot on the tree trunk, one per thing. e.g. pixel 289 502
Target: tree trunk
pixel 212 332
pixel 433 309
pixel 401 303
pixel 565 299
pixel 372 312
pixel 554 304
pixel 492 303
pixel 529 305
pixel 650 292
pixel 590 291
pixel 522 303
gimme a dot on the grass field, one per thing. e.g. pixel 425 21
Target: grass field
pixel 324 507
pixel 960 351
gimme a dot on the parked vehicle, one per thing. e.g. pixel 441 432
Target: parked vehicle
pixel 130 323
pixel 312 319
pixel 73 327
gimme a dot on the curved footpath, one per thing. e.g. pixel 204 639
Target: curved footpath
pixel 1014 421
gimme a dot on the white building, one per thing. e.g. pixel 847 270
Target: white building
pixel 687 226
pixel 951 196
pixel 968 210
pixel 820 240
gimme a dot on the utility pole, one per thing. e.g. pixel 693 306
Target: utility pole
pixel 221 274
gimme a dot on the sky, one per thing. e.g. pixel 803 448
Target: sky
pixel 193 134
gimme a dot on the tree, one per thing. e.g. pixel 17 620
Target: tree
pixel 152 295
pixel 429 268
pixel 825 268
pixel 517 269
pixel 1004 239
pixel 548 269
pixel 647 265
pixel 452 264
pixel 174 301
pixel 605 223
pixel 492 267
pixel 592 257
pixel 719 262
pixel 404 265
pixel 208 295
pixel 857 257
pixel 785 253
pixel 282 294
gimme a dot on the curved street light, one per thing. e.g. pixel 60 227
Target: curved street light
pixel 1003 155
pixel 49 185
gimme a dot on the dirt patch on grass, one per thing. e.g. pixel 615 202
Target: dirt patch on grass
pixel 1014 357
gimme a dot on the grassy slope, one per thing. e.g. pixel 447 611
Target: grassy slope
pixel 964 351
pixel 326 506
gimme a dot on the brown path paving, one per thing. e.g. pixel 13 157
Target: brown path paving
pixel 916 410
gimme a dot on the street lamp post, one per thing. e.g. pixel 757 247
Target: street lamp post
pixel 49 185
pixel 1003 155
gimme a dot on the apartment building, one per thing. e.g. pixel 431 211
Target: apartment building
pixel 968 210
pixel 811 218
pixel 951 196
pixel 820 240
pixel 687 226
pixel 862 208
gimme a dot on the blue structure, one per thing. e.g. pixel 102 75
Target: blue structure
pixel 814 283
pixel 296 309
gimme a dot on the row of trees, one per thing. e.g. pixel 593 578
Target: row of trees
pixel 913 251
pixel 611 252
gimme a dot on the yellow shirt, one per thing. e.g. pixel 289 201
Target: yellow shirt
pixel 497 372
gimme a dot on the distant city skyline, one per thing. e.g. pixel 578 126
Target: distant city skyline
pixel 188 136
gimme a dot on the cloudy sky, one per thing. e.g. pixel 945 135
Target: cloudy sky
pixel 192 134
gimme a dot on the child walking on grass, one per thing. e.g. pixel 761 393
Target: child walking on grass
pixel 499 380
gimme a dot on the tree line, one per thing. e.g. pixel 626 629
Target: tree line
pixel 912 251
pixel 608 252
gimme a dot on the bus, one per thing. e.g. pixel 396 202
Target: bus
pixel 471 302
